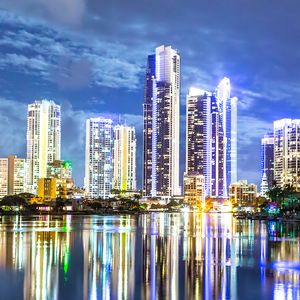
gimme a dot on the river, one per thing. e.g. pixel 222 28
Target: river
pixel 150 256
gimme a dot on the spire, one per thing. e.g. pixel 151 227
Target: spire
pixel 264 185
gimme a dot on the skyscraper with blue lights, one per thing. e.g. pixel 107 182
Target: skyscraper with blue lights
pixel 211 138
pixel 161 123
pixel 267 162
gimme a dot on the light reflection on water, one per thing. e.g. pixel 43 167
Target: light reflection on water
pixel 154 256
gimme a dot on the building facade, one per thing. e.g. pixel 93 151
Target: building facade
pixel 287 152
pixel 60 169
pixel 267 162
pixel 17 175
pixel 161 124
pixel 242 193
pixel 211 138
pixel 13 175
pixel 98 157
pixel 227 107
pixel 194 189
pixel 43 139
pixel 3 177
pixel 124 158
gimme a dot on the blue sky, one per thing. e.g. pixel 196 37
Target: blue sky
pixel 89 56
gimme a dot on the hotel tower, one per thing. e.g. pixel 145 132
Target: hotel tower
pixel 43 139
pixel 287 152
pixel 124 158
pixel 267 162
pixel 161 123
pixel 211 138
pixel 98 157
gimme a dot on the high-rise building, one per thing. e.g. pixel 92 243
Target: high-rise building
pixel 287 152
pixel 124 158
pixel 227 107
pixel 17 175
pixel 3 177
pixel 204 141
pixel 211 137
pixel 242 193
pixel 43 139
pixel 161 123
pixel 98 157
pixel 13 175
pixel 267 162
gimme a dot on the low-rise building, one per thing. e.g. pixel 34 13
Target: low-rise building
pixel 50 189
pixel 13 175
pixel 242 193
pixel 194 189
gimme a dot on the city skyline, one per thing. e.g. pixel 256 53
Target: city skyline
pixel 50 69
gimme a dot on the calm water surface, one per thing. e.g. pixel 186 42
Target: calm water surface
pixel 155 256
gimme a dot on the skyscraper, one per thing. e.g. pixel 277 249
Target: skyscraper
pixel 43 139
pixel 161 123
pixel 267 162
pixel 287 152
pixel 227 107
pixel 205 141
pixel 98 157
pixel 124 158
pixel 211 137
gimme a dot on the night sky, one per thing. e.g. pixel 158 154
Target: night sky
pixel 90 56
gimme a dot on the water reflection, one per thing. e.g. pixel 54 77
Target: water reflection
pixel 155 256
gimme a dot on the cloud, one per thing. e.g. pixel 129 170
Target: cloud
pixel 12 127
pixel 70 63
pixel 36 65
pixel 66 12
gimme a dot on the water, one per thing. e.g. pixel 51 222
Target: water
pixel 154 256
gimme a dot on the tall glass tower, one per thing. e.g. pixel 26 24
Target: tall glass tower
pixel 211 138
pixel 98 157
pixel 228 111
pixel 161 123
pixel 267 162
pixel 43 139
pixel 205 141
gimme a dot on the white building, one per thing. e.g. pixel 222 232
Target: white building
pixel 242 193
pixel 161 123
pixel 3 177
pixel 228 109
pixel 124 158
pixel 43 139
pixel 13 175
pixel 98 157
pixel 287 152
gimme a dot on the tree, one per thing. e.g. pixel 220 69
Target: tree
pixel 13 200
